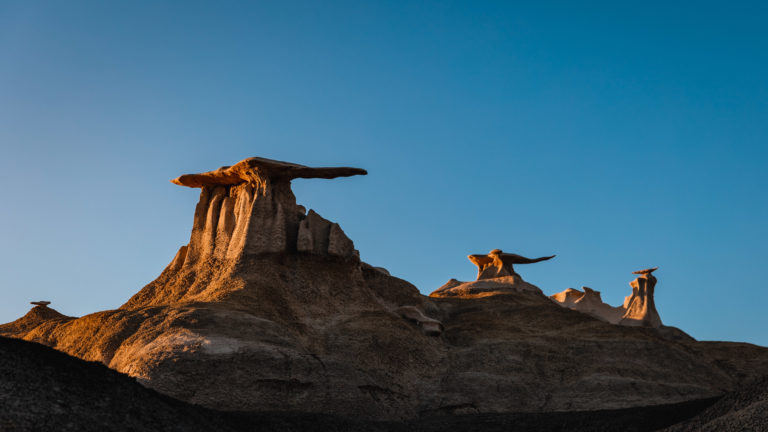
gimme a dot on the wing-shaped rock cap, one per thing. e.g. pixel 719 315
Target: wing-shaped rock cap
pixel 258 169
pixel 499 264
pixel 645 271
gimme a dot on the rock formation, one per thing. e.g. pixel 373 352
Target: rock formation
pixel 638 309
pixel 495 274
pixel 249 208
pixel 640 306
pixel 499 264
pixel 269 308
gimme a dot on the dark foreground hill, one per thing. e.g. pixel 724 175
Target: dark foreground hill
pixel 42 389
pixel 743 410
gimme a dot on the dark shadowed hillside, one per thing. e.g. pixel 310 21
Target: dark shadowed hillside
pixel 42 389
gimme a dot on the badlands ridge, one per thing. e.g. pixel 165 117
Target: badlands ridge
pixel 269 308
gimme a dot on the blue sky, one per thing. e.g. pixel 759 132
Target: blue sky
pixel 616 136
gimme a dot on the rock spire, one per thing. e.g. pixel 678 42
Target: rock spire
pixel 249 208
pixel 639 308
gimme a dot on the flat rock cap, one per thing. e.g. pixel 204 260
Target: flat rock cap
pixel 256 168
pixel 646 271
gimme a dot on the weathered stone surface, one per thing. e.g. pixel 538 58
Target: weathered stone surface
pixel 431 327
pixel 639 309
pixel 485 287
pixel 500 264
pixel 258 170
pixel 640 306
pixel 746 409
pixel 40 303
pixel 46 390
pixel 338 242
pixel 258 313
pixel 495 275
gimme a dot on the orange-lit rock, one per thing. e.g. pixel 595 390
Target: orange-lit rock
pixel 639 308
pixel 269 308
pixel 495 274
pixel 262 172
pixel 498 264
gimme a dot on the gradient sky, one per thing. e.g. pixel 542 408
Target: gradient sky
pixel 616 136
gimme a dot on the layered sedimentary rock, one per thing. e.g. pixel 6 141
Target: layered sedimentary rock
pixel 269 308
pixel 639 308
pixel 499 264
pixel 495 274
pixel 249 209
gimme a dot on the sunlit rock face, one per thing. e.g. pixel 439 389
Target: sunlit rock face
pixel 639 308
pixel 495 275
pixel 246 210
pixel 269 307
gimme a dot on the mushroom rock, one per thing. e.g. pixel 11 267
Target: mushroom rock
pixel 40 303
pixel 39 317
pixel 640 306
pixel 499 264
pixel 269 308
pixel 249 208
pixel 246 217
pixel 495 275
pixel 638 309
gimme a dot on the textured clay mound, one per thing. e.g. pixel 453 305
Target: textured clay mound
pixel 743 410
pixel 36 316
pixel 44 390
pixel 269 308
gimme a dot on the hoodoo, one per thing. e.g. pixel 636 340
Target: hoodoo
pixel 499 264
pixel 270 308
pixel 495 275
pixel 249 208
pixel 639 308
pixel 247 213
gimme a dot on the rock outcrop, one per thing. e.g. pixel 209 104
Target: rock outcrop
pixel 40 303
pixel 269 308
pixel 249 208
pixel 499 264
pixel 495 274
pixel 639 308
pixel 39 315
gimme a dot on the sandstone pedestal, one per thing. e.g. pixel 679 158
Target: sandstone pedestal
pixel 495 275
pixel 639 308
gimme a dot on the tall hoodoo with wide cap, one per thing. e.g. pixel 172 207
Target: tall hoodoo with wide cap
pixel 639 308
pixel 249 208
pixel 246 214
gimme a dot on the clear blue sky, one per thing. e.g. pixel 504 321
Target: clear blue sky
pixel 616 136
